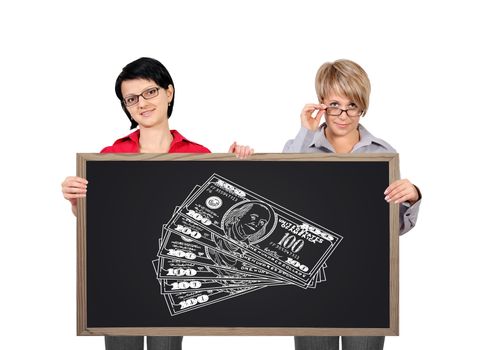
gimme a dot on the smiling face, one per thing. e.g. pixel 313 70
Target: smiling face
pixel 148 111
pixel 341 125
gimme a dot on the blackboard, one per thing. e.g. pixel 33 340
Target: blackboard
pixel 284 213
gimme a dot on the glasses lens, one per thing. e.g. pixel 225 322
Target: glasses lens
pixel 353 112
pixel 150 93
pixel 130 100
pixel 334 111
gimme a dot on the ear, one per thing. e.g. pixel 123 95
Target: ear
pixel 170 93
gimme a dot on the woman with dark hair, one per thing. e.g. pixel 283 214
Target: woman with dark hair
pixel 146 69
pixel 146 92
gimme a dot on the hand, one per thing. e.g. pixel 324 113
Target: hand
pixel 242 152
pixel 309 121
pixel 401 191
pixel 74 187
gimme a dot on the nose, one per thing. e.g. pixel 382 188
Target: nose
pixel 343 114
pixel 142 102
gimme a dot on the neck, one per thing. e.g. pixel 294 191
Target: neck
pixel 155 140
pixel 345 143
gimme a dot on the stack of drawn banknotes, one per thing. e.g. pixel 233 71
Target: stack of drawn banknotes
pixel 225 241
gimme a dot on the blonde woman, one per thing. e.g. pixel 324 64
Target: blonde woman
pixel 343 90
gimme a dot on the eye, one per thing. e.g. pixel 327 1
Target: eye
pixel 130 100
pixel 333 104
pixel 150 92
pixel 352 106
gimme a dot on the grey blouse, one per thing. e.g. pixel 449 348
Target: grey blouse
pixel 312 142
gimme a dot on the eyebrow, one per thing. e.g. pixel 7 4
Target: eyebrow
pixel 348 103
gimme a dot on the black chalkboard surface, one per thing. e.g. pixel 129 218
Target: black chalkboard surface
pixel 205 244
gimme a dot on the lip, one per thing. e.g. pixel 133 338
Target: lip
pixel 147 113
pixel 342 126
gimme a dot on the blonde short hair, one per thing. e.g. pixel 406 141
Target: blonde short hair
pixel 343 77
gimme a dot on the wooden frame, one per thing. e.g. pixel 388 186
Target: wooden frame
pixel 82 317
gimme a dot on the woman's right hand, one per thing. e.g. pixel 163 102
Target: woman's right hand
pixel 310 121
pixel 74 187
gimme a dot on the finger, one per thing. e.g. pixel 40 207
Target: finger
pixel 76 179
pixel 74 189
pixel 71 196
pixel 75 195
pixel 393 193
pixel 402 197
pixel 74 182
pixel 243 152
pixel 398 195
pixel 311 106
pixel 250 151
pixel 74 185
pixel 247 152
pixel 309 109
pixel 320 114
pixel 392 190
pixel 393 186
pixel 232 147
pixel 80 179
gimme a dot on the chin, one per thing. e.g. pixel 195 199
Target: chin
pixel 342 132
pixel 147 123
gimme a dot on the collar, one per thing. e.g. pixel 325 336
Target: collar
pixel 134 137
pixel 366 138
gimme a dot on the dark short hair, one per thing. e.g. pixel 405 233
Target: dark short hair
pixel 144 68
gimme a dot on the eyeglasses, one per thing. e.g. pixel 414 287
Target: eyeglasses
pixel 351 112
pixel 146 94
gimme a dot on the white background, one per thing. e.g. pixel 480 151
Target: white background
pixel 243 70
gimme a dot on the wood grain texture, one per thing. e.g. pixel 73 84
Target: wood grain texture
pixel 305 157
pixel 394 251
pixel 232 331
pixel 81 252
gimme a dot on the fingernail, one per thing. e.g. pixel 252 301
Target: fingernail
pixel 387 198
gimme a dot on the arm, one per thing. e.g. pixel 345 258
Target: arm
pixel 408 215
pixel 300 142
pixel 310 122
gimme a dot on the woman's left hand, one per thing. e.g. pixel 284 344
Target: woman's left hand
pixel 401 191
pixel 241 152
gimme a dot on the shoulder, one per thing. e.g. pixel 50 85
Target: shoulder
pixel 126 144
pixel 385 145
pixel 301 143
pixel 182 144
pixel 374 143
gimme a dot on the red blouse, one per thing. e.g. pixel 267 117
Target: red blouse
pixel 179 144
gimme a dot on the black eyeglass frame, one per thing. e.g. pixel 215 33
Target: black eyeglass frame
pixel 157 88
pixel 360 112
